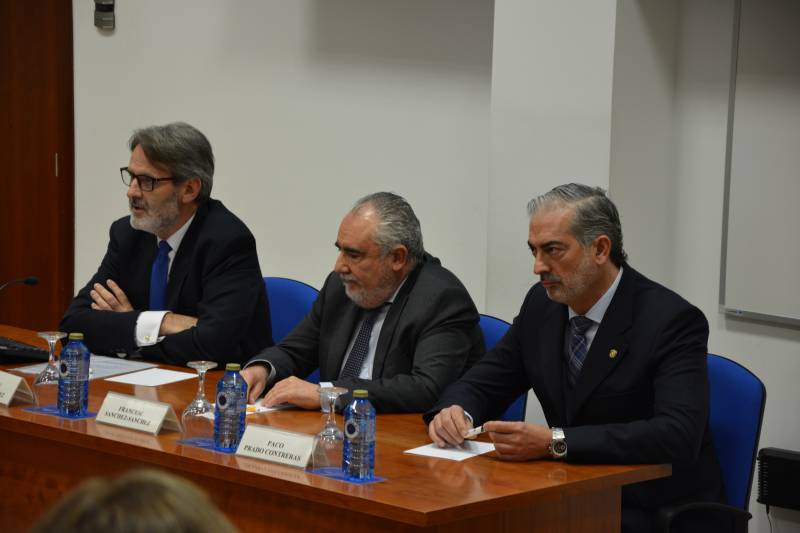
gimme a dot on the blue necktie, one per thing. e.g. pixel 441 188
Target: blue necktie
pixel 360 349
pixel 578 345
pixel 158 278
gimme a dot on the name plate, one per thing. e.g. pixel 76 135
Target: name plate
pixel 276 445
pixel 134 413
pixel 13 387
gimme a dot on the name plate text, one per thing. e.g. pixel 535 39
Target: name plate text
pixel 134 413
pixel 13 388
pixel 276 445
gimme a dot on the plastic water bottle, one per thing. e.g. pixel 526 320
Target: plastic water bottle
pixel 73 378
pixel 231 409
pixel 358 457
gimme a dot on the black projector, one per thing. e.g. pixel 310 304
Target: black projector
pixel 779 478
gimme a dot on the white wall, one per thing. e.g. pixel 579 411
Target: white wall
pixel 668 173
pixel 308 105
pixel 551 124
pixel 643 131
pixel 771 352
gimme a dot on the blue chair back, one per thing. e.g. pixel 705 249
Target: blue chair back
pixel 737 410
pixel 289 301
pixel 493 330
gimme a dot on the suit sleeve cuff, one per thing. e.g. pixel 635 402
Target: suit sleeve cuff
pixel 148 323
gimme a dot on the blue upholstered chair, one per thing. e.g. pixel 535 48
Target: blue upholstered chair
pixel 736 411
pixel 493 330
pixel 289 301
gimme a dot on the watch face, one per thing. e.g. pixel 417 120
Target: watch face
pixel 560 448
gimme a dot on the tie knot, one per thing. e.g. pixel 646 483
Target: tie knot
pixel 580 324
pixel 371 314
pixel 164 248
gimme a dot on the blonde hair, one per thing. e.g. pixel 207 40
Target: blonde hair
pixel 141 501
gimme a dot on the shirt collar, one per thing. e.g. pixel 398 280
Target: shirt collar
pixel 598 310
pixel 175 239
pixel 397 290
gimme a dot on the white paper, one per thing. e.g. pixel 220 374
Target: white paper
pixel 470 448
pixel 100 366
pixel 153 377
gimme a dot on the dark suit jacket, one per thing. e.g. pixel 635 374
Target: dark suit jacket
pixel 646 404
pixel 429 338
pixel 215 277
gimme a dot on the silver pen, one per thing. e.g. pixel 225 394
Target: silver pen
pixel 474 432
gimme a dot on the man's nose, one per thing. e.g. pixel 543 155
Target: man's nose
pixel 539 266
pixel 133 189
pixel 340 267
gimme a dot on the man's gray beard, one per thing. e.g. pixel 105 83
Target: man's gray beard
pixel 373 298
pixel 159 221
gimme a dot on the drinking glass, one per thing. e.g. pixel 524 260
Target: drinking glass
pixel 328 444
pixel 198 416
pixel 45 382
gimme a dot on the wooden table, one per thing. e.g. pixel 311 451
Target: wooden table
pixel 42 457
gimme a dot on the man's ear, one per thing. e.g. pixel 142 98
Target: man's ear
pixel 190 190
pixel 602 249
pixel 399 257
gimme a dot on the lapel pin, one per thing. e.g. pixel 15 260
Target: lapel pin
pixel 612 353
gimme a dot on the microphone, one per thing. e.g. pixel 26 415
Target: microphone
pixel 30 280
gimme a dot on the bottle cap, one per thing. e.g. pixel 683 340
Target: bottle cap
pixel 76 336
pixel 233 366
pixel 360 393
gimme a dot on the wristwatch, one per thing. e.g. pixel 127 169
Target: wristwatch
pixel 558 444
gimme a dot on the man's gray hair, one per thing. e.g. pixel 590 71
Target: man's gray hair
pixel 594 215
pixel 398 224
pixel 183 149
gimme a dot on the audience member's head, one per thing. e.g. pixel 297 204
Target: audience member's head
pixel 142 501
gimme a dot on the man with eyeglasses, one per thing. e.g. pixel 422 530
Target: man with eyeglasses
pixel 180 280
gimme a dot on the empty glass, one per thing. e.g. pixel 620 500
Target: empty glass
pixel 328 444
pixel 45 383
pixel 198 416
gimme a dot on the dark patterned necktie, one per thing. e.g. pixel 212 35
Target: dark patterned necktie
pixel 360 349
pixel 158 278
pixel 578 345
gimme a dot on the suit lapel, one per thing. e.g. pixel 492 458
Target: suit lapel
pixel 392 319
pixel 183 258
pixel 140 267
pixel 551 353
pixel 608 347
pixel 340 339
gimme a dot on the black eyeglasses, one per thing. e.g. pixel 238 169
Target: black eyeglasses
pixel 146 183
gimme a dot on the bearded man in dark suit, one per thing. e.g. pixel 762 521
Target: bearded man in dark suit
pixel 180 280
pixel 617 361
pixel 389 319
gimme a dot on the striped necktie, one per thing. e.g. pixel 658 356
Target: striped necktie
pixel 578 345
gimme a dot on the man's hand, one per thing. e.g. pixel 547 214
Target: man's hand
pixel 109 300
pixel 294 390
pixel 256 378
pixel 174 323
pixel 519 441
pixel 449 426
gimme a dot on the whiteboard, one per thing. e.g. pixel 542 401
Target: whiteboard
pixel 761 237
